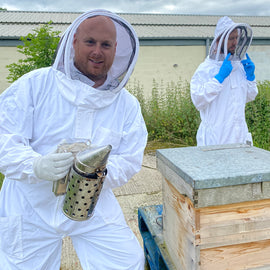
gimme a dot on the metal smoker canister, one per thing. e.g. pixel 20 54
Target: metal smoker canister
pixel 85 182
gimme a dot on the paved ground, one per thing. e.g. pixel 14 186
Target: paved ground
pixel 142 190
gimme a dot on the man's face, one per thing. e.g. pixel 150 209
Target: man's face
pixel 95 46
pixel 232 41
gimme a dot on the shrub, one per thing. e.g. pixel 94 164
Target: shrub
pixel 169 113
pixel 258 116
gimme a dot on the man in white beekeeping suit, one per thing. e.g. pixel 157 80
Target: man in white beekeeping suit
pixel 223 84
pixel 80 98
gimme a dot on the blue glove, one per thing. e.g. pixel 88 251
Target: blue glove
pixel 249 68
pixel 225 69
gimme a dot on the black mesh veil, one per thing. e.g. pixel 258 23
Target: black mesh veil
pixel 244 40
pixel 218 50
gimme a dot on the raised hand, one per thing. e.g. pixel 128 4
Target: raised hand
pixel 249 68
pixel 225 69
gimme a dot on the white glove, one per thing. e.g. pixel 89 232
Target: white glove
pixel 53 166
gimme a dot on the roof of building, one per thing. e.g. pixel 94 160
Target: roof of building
pixel 14 24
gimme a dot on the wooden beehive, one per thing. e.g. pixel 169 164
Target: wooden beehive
pixel 216 206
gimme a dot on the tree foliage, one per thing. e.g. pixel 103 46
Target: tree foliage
pixel 38 49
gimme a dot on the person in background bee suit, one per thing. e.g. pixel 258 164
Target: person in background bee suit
pixel 81 97
pixel 223 84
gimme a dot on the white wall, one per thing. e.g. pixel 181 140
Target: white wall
pixel 166 63
pixel 8 55
pixel 260 55
pixel 162 63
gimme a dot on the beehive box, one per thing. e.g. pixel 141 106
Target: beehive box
pixel 216 206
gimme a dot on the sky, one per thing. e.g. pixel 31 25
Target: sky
pixel 198 7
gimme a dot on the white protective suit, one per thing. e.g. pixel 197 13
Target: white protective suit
pixel 37 112
pixel 222 105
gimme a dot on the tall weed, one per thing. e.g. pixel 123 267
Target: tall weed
pixel 171 116
pixel 258 116
pixel 169 113
pixel 1 180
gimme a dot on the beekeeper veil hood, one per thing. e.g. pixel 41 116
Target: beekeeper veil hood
pixel 225 26
pixel 125 56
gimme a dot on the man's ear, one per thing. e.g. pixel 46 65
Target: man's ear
pixel 74 40
pixel 115 47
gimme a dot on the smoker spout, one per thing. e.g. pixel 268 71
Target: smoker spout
pixel 92 159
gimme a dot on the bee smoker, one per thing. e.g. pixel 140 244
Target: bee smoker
pixel 85 181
